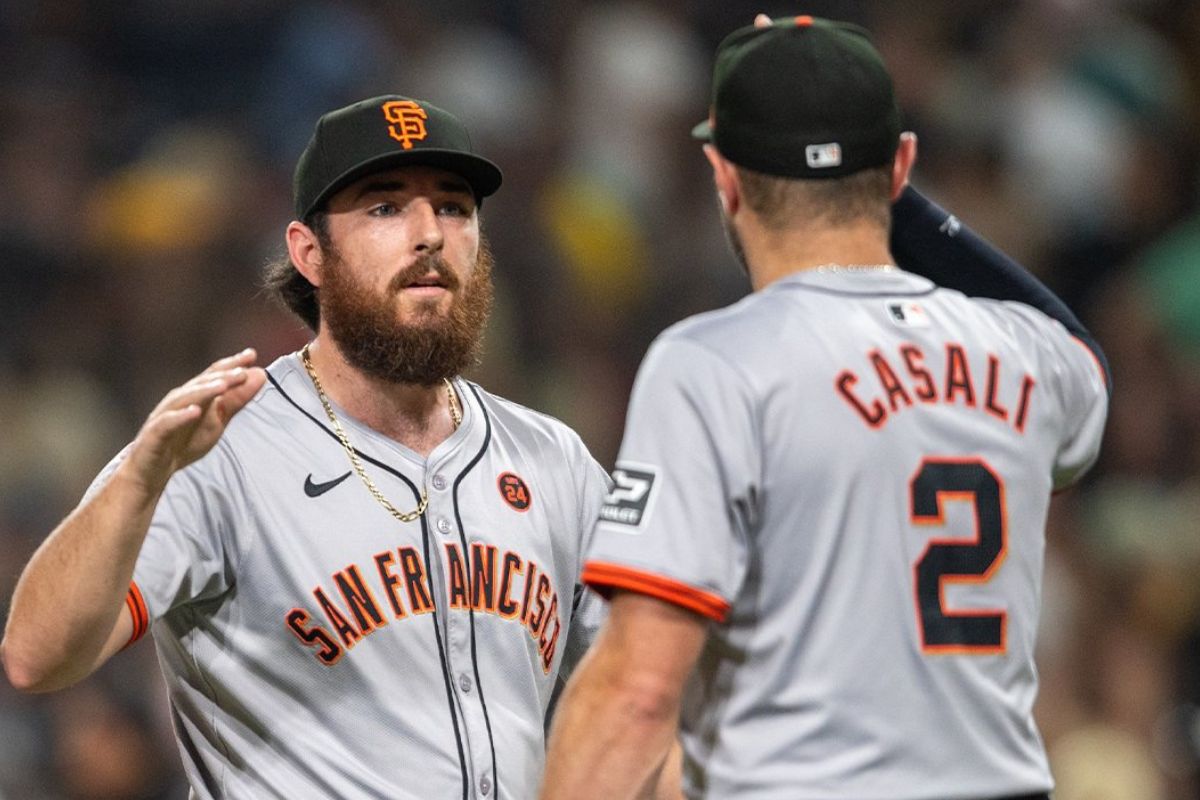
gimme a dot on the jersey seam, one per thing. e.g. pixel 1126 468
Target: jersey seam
pixel 462 534
pixel 425 540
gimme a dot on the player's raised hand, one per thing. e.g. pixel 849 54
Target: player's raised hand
pixel 191 418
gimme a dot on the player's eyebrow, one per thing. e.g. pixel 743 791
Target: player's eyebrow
pixel 382 187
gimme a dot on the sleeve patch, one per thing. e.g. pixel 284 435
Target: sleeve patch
pixel 628 503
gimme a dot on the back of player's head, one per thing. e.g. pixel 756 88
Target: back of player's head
pixel 807 100
pixel 802 98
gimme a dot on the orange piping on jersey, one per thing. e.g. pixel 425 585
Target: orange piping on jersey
pixel 603 575
pixel 1096 361
pixel 137 613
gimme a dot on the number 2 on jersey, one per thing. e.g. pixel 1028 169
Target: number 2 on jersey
pixel 938 480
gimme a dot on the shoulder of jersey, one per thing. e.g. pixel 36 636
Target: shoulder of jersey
pixel 508 414
pixel 707 323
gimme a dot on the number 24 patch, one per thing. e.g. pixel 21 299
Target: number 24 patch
pixel 514 491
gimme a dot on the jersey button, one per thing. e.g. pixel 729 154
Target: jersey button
pixel 438 482
pixel 443 525
pixel 485 784
pixel 464 681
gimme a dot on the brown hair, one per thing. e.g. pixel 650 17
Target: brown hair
pixel 779 202
pixel 284 283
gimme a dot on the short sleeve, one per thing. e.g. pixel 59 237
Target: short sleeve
pixel 588 611
pixel 676 524
pixel 1079 385
pixel 1085 398
pixel 187 554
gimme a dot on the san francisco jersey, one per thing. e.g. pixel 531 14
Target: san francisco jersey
pixel 849 472
pixel 316 647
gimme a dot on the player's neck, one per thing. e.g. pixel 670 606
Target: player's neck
pixel 772 255
pixel 418 417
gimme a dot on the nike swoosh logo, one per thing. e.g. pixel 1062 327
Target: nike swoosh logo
pixel 317 489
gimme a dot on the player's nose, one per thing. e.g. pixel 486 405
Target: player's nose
pixel 427 227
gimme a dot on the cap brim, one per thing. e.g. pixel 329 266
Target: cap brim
pixel 483 176
pixel 703 132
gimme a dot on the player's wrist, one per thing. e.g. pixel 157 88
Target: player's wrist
pixel 140 483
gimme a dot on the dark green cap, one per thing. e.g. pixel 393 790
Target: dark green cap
pixel 802 98
pixel 381 133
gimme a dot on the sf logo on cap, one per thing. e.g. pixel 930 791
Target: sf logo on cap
pixel 408 121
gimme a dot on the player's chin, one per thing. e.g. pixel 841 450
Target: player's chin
pixel 416 304
pixel 425 315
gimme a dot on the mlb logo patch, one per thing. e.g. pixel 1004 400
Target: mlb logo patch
pixel 909 313
pixel 821 156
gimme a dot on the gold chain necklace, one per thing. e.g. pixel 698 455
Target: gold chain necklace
pixel 403 516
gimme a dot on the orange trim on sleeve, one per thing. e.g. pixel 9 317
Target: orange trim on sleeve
pixel 600 574
pixel 1096 361
pixel 137 613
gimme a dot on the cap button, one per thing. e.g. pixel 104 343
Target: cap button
pixel 804 21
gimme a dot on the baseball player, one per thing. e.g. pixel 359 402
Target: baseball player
pixel 824 544
pixel 361 572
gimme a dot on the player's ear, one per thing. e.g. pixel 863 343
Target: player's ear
pixel 725 179
pixel 906 157
pixel 304 249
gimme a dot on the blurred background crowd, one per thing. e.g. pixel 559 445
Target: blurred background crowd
pixel 146 150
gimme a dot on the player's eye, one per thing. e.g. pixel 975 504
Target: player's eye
pixel 383 210
pixel 454 208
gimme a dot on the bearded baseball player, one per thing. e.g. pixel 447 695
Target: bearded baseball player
pixel 824 545
pixel 361 572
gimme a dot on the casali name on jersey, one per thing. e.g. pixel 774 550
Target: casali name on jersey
pixel 484 580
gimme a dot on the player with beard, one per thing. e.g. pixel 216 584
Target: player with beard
pixel 360 570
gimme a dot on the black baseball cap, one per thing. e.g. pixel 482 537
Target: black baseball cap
pixel 380 133
pixel 802 98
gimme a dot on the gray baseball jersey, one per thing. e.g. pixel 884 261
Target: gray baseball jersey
pixel 850 473
pixel 314 646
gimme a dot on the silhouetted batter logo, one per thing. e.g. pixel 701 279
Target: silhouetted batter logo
pixel 514 491
pixel 408 122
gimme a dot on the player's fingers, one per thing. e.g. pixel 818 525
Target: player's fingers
pixel 231 377
pixel 199 393
pixel 235 398
pixel 168 422
pixel 242 359
pixel 762 21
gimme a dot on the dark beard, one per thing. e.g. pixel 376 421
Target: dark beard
pixel 423 352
